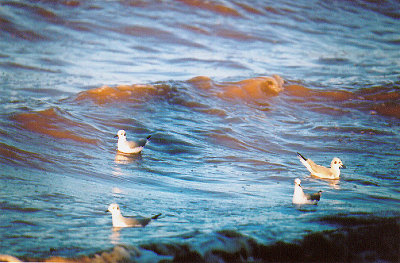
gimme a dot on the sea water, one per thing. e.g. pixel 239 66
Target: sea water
pixel 229 92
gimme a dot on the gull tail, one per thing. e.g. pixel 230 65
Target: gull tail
pixel 156 216
pixel 147 140
pixel 303 160
pixel 142 142
pixel 316 196
pixel 301 156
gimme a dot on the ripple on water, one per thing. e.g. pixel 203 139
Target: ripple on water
pixel 197 76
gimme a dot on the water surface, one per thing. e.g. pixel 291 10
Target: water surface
pixel 229 91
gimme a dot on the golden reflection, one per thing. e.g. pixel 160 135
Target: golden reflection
pixel 116 191
pixel 123 158
pixel 115 236
pixel 379 100
pixel 106 94
pixel 53 123
pixel 253 88
pixel 117 172
pixel 334 183
pixel 217 7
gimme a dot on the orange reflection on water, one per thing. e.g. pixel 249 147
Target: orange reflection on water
pixel 212 6
pixel 49 122
pixel 377 100
pixel 301 91
pixel 106 94
pixel 254 88
pixel 123 158
pixel 248 89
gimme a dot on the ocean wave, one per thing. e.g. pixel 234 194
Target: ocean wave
pixel 15 156
pixel 197 76
pixel 107 94
pixel 382 100
pixel 358 238
pixel 52 122
pixel 248 89
pixel 257 91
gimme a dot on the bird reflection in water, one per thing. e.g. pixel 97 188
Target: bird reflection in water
pixel 115 236
pixel 123 158
pixel 334 183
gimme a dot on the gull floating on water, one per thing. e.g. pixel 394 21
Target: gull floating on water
pixel 120 221
pixel 300 198
pixel 320 171
pixel 125 146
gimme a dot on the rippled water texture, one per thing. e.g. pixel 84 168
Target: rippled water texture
pixel 229 92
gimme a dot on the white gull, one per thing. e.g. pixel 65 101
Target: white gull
pixel 120 221
pixel 301 198
pixel 125 146
pixel 320 171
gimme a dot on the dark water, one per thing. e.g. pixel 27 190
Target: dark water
pixel 199 77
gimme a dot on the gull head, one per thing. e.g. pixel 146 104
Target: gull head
pixel 337 163
pixel 121 134
pixel 297 181
pixel 113 208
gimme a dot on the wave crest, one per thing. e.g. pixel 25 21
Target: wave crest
pixel 361 240
pixel 52 123
pixel 248 89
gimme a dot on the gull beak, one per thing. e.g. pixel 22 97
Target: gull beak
pixel 107 211
pixel 116 136
pixel 343 166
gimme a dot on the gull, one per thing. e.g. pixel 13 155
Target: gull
pixel 320 171
pixel 300 198
pixel 125 146
pixel 120 221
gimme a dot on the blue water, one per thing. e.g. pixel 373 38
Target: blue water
pixel 217 160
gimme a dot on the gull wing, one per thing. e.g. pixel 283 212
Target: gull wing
pixel 136 222
pixel 141 221
pixel 319 170
pixel 315 196
pixel 141 142
pixel 132 144
pixel 133 222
